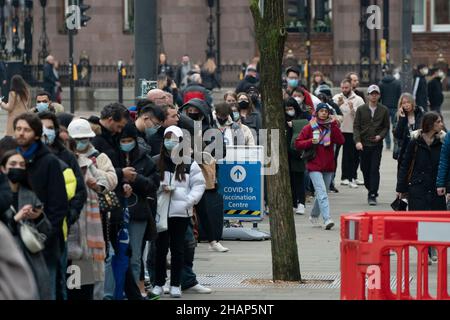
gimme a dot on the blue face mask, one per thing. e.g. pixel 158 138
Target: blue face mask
pixel 41 107
pixel 127 147
pixel 151 131
pixel 82 145
pixel 49 136
pixel 236 116
pixel 170 144
pixel 293 83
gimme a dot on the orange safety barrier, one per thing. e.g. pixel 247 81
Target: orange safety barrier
pixel 367 241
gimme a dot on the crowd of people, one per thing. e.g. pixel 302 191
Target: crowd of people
pixel 109 196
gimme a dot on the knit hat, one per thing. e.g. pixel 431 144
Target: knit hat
pixel 129 131
pixel 321 106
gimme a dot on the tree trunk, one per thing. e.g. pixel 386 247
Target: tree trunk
pixel 271 36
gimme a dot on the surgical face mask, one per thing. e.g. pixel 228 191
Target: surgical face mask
pixel 299 100
pixel 397 76
pixel 42 106
pixel 291 113
pixel 424 71
pixel 441 74
pixel 17 175
pixel 170 144
pixel 82 145
pixel 236 116
pixel 244 104
pixel 127 147
pixel 151 131
pixel 293 83
pixel 49 136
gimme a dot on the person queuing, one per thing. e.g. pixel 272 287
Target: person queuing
pixel 248 115
pixel 417 177
pixel 420 89
pixel 234 134
pixel 409 119
pixel 370 128
pixel 320 135
pixel 184 185
pixel 45 103
pixel 296 120
pixel 391 90
pixel 354 80
pixel 18 102
pixel 47 181
pixel 25 207
pixel 348 103
pixel 435 91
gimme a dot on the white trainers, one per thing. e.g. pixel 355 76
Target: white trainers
pixel 328 224
pixel 217 247
pixel 157 290
pixel 359 182
pixel 199 289
pixel 314 221
pixel 345 182
pixel 300 209
pixel 353 184
pixel 175 292
pixel 166 288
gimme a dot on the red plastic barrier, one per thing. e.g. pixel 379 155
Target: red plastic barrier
pixel 367 240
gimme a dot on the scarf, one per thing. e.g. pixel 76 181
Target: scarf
pixel 324 129
pixel 30 152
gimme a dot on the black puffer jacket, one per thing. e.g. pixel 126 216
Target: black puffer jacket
pixel 402 132
pixel 47 181
pixel 421 187
pixel 145 186
pixel 391 90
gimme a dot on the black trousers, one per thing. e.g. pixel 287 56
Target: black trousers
pixel 297 188
pixel 210 216
pixel 173 237
pixel 370 166
pixel 350 158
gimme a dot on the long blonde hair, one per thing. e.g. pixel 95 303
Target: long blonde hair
pixel 210 66
pixel 410 99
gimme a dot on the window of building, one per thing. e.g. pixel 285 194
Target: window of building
pixel 440 15
pixel 128 16
pixel 320 13
pixel 419 16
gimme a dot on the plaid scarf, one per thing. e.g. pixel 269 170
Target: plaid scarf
pixel 324 129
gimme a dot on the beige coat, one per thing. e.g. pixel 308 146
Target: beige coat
pixel 15 107
pixel 348 114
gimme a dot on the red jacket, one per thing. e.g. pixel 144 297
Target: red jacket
pixel 324 160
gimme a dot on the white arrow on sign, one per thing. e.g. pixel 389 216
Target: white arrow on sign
pixel 238 174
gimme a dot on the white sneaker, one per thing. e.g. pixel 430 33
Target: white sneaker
pixel 359 182
pixel 217 247
pixel 345 182
pixel 300 209
pixel 314 221
pixel 157 290
pixel 353 184
pixel 199 289
pixel 166 289
pixel 328 224
pixel 175 292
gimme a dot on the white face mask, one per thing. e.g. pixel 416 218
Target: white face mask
pixel 299 100
pixel 397 76
pixel 291 113
pixel 441 74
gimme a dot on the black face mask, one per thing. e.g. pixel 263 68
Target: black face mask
pixel 244 105
pixel 16 175
pixel 195 116
pixel 222 121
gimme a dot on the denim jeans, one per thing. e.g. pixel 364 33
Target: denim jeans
pixel 188 277
pixel 321 182
pixel 109 284
pixel 137 231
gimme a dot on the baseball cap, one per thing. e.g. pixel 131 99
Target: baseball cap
pixel 373 88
